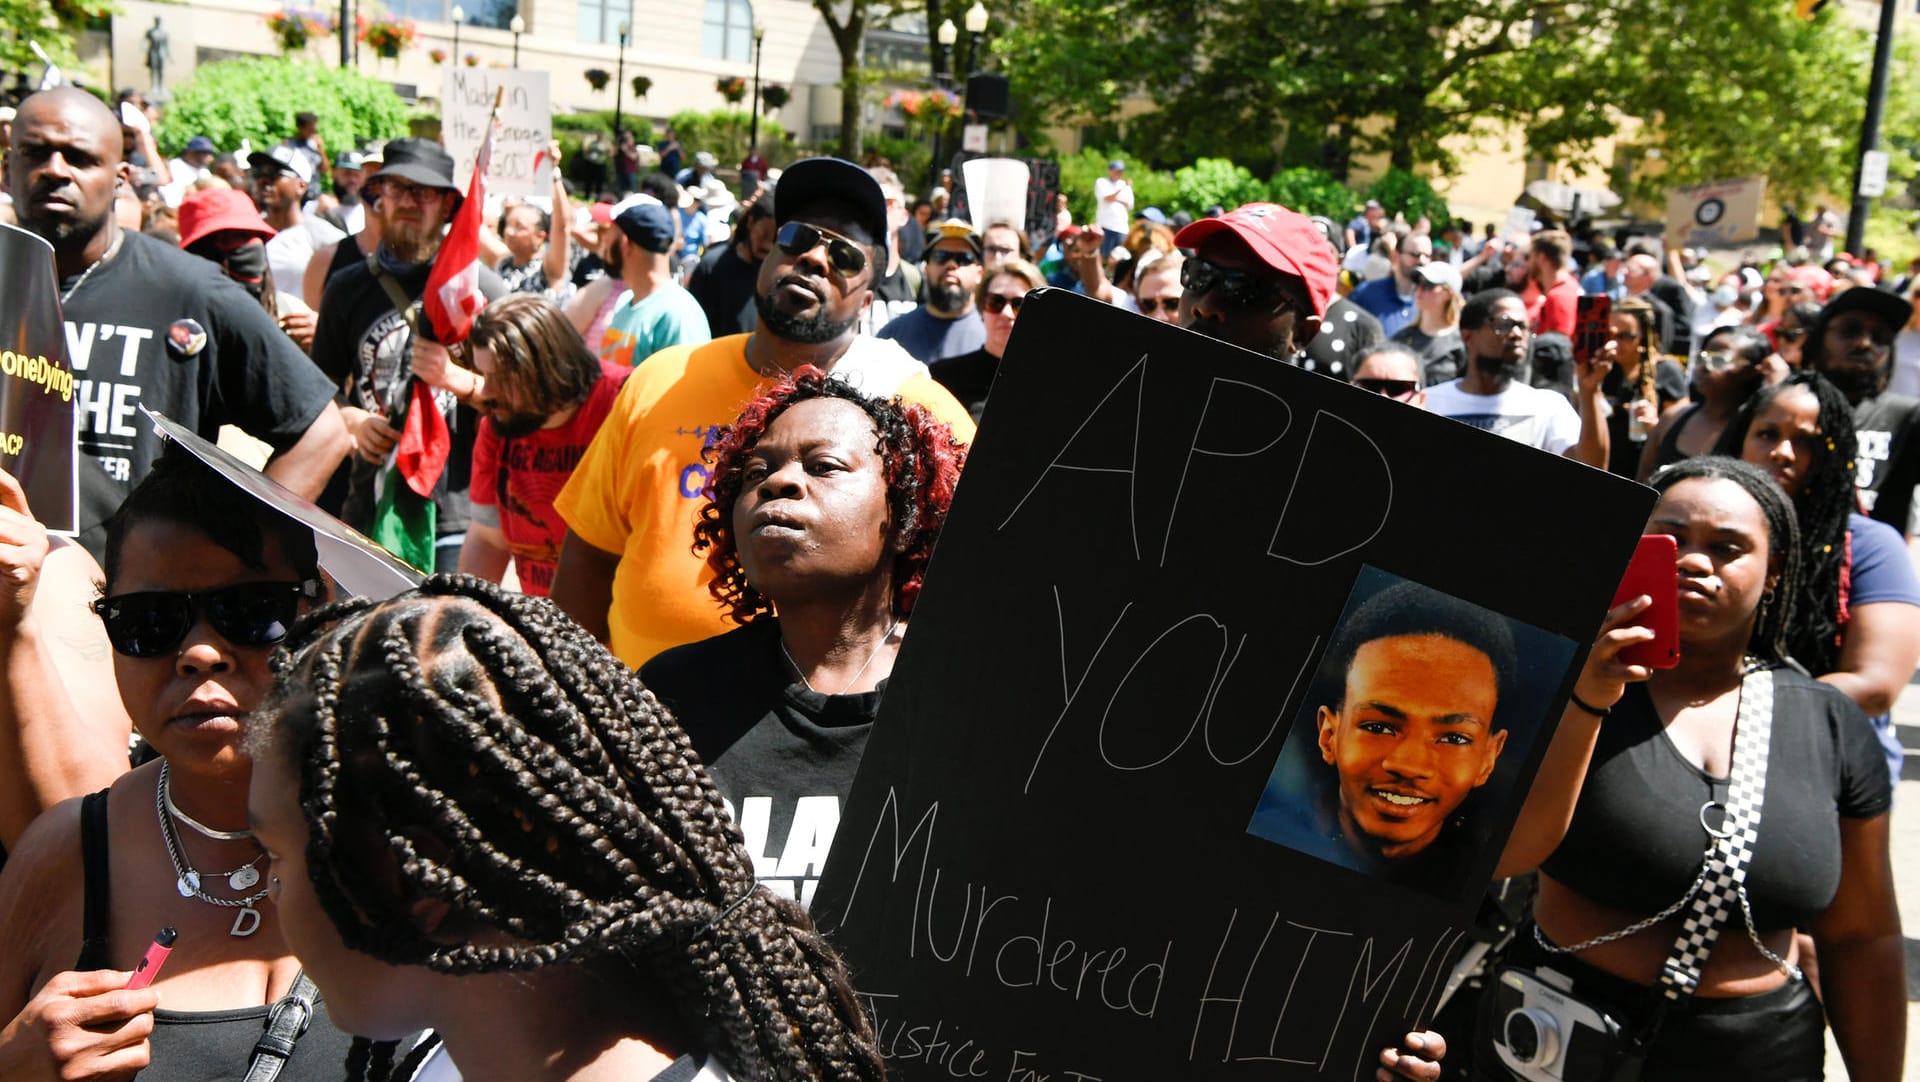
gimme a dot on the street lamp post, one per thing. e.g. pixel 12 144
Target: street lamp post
pixel 519 27
pixel 346 33
pixel 976 26
pixel 945 36
pixel 753 122
pixel 459 16
pixel 619 79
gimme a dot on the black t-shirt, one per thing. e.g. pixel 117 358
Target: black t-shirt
pixel 156 327
pixel 723 283
pixel 1889 464
pixel 783 756
pixel 1669 386
pixel 969 377
pixel 1442 356
pixel 1636 840
pixel 361 342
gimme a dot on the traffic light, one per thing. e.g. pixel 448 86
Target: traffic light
pixel 1807 9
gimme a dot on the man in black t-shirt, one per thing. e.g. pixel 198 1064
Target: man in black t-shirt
pixel 365 343
pixel 724 281
pixel 1851 343
pixel 149 325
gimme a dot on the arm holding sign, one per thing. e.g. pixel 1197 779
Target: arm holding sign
pixel 305 468
pixel 1548 811
pixel 1413 1062
pixel 558 261
pixel 63 730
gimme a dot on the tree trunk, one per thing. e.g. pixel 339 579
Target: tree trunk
pixel 850 107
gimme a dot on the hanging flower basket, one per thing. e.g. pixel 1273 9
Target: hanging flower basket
pixel 387 35
pixel 935 106
pixel 774 96
pixel 731 87
pixel 598 78
pixel 293 28
pixel 641 84
pixel 438 56
pixel 471 60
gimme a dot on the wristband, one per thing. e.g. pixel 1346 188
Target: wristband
pixel 1588 707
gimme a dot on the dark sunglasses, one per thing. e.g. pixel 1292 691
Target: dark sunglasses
pixel 1392 388
pixel 1238 288
pixel 153 622
pixel 1791 334
pixel 997 303
pixel 799 238
pixel 940 256
pixel 1150 305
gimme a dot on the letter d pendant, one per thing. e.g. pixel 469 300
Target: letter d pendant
pixel 246 922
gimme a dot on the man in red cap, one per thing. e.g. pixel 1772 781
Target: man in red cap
pixel 1261 278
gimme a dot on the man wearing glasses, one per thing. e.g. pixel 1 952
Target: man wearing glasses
pixel 368 345
pixel 627 570
pixel 1494 326
pixel 1390 299
pixel 947 325
pixel 1260 278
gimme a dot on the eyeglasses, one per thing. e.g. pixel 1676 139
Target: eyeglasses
pixel 1241 289
pixel 152 622
pixel 1392 388
pixel 799 238
pixel 406 191
pixel 1504 326
pixel 1422 283
pixel 1791 334
pixel 1000 302
pixel 1150 305
pixel 1625 336
pixel 997 254
pixel 940 256
pixel 1715 360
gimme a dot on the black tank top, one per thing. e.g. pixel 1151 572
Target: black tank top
pixel 1669 450
pixel 345 254
pixel 196 1046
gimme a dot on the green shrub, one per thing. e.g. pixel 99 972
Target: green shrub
pixel 1215 182
pixel 1401 192
pixel 1313 191
pixel 908 158
pixel 255 100
pixel 1079 171
pixel 723 133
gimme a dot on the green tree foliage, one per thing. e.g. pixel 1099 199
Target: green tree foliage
pixel 52 23
pixel 1215 182
pixel 723 133
pixel 256 100
pixel 1151 188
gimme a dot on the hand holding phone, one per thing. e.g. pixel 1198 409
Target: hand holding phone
pixel 1652 572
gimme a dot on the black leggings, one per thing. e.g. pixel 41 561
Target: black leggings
pixel 1777 1036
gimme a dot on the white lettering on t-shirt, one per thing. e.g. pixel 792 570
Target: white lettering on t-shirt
pixel 794 872
pixel 107 408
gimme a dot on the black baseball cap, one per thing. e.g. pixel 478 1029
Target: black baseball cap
pixel 422 161
pixel 649 225
pixel 814 180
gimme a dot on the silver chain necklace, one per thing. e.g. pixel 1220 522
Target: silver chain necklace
pixel 202 828
pixel 112 250
pixel 857 673
pixel 187 878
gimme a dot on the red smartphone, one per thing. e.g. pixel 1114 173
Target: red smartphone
pixel 1592 322
pixel 1652 572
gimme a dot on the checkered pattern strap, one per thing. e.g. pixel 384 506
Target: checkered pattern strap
pixel 1732 847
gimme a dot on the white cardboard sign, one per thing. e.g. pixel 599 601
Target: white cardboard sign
pixel 522 164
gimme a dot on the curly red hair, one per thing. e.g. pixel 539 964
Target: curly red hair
pixel 922 462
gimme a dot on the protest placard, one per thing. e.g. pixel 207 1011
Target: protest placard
pixel 37 407
pixel 1043 187
pixel 1715 215
pixel 358 566
pixel 1114 820
pixel 522 163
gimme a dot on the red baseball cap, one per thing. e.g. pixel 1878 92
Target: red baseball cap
pixel 1283 239
pixel 601 213
pixel 210 210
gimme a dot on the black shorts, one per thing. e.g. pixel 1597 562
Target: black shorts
pixel 1777 1036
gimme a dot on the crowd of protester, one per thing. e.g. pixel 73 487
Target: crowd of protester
pixel 703 439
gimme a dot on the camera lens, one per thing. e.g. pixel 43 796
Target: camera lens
pixel 1523 1036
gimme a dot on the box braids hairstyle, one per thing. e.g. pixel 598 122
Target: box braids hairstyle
pixel 472 745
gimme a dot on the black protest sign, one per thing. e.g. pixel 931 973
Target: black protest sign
pixel 1125 813
pixel 36 383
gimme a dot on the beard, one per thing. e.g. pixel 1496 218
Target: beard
pixel 1498 367
pixel 65 232
pixel 805 330
pixel 411 242
pixel 515 426
pixel 946 298
pixel 1857 382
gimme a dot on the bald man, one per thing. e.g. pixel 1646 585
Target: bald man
pixel 150 325
pixel 1672 308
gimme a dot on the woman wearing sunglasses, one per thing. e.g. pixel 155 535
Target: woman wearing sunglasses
pixel 1856 617
pixel 1003 289
pixel 201 582
pixel 1729 368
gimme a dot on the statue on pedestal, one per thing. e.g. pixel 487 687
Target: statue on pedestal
pixel 157 56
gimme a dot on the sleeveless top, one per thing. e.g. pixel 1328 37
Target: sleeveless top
pixel 1669 450
pixel 196 1046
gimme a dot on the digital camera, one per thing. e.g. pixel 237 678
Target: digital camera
pixel 1545 1035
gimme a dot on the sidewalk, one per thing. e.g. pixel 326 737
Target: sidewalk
pixel 1906 877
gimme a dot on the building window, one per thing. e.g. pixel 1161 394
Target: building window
pixel 728 31
pixel 493 13
pixel 599 20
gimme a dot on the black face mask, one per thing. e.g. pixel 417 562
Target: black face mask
pixel 248 266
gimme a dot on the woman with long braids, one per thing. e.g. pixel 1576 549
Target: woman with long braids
pixel 201 581
pixel 480 822
pixel 823 512
pixel 1856 618
pixel 1648 770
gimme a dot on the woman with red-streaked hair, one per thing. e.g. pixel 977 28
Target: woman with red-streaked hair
pixel 822 513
